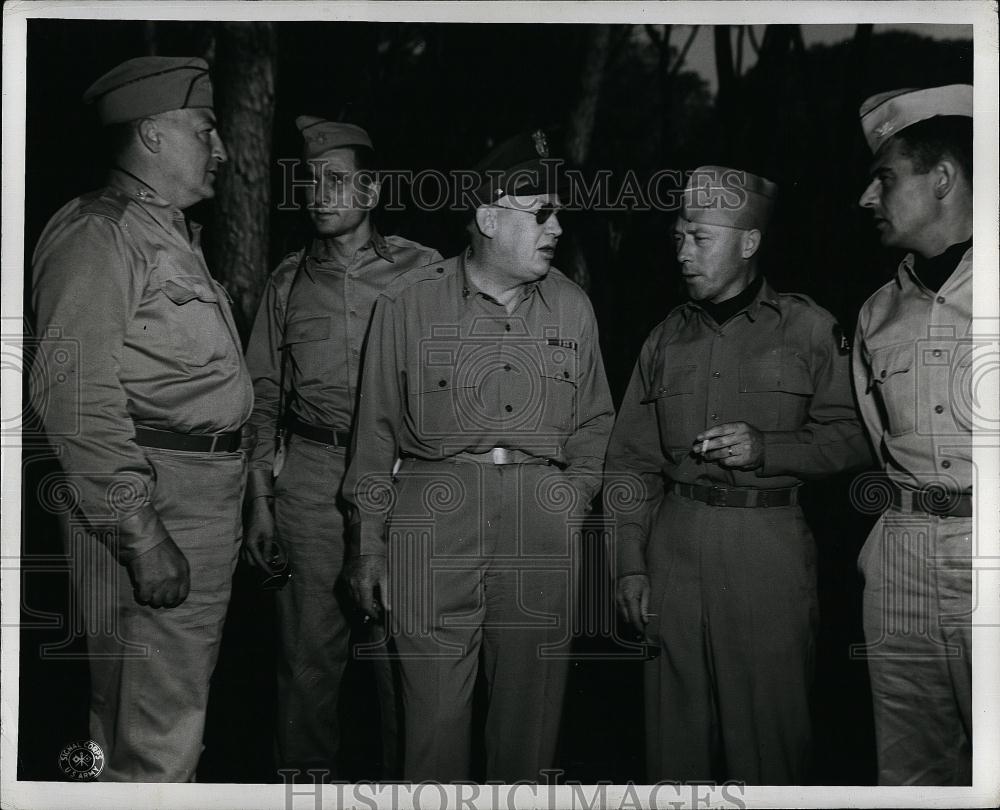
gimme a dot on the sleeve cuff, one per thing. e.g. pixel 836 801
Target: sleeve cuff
pixel 260 483
pixel 366 539
pixel 777 445
pixel 631 556
pixel 138 533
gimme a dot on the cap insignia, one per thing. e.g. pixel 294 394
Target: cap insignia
pixel 541 143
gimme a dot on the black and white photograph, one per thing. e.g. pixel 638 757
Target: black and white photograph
pixel 519 404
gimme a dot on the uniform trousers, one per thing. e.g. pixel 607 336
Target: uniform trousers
pixel 314 616
pixel 483 563
pixel 918 632
pixel 150 667
pixel 733 591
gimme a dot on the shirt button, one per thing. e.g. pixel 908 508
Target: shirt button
pixel 946 464
pixel 508 408
pixel 715 417
pixel 506 327
pixel 884 372
pixel 566 374
pixel 354 312
pixel 716 374
pixel 937 352
pixel 940 299
pixel 440 269
pixel 506 367
pixel 442 383
pixel 938 409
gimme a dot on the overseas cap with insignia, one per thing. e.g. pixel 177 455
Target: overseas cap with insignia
pixel 519 165
pixel 321 135
pixel 149 85
pixel 885 114
pixel 718 195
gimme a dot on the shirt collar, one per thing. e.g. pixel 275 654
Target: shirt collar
pixel 766 297
pixel 165 213
pixel 907 270
pixel 376 242
pixel 468 289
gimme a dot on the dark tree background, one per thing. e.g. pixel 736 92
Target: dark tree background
pixel 438 96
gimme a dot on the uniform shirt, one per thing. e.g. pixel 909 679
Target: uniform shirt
pixel 450 371
pixel 133 331
pixel 777 364
pixel 323 325
pixel 913 357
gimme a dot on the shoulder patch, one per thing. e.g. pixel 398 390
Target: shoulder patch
pixel 841 339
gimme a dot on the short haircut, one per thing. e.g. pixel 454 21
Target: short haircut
pixel 928 142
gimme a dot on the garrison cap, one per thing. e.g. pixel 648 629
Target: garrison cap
pixel 885 114
pixel 718 195
pixel 519 165
pixel 148 85
pixel 321 135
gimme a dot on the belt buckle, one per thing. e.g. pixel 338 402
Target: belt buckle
pixel 717 496
pixel 501 455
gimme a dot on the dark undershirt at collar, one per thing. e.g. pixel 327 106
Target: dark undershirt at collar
pixel 724 310
pixel 935 271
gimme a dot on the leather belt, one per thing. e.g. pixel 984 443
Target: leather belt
pixel 742 498
pixel 323 435
pixel 932 500
pixel 189 442
pixel 501 456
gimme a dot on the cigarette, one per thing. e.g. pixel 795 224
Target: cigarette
pixel 704 447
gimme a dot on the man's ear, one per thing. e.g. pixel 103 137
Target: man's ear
pixel 751 242
pixel 150 134
pixel 486 221
pixel 946 177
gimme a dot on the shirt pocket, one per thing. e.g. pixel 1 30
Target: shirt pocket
pixel 775 393
pixel 313 357
pixel 193 321
pixel 672 394
pixel 893 379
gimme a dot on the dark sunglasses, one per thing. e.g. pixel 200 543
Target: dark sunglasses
pixel 541 214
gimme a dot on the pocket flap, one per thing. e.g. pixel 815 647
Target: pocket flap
pixel 891 360
pixel 673 380
pixel 304 330
pixel 182 289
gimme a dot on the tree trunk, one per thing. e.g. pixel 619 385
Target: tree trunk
pixel 725 99
pixel 580 131
pixel 243 75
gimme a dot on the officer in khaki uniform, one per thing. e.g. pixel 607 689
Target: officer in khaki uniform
pixel 484 375
pixel 914 367
pixel 308 338
pixel 146 416
pixel 737 397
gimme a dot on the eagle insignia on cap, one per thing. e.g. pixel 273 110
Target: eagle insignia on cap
pixel 883 129
pixel 541 143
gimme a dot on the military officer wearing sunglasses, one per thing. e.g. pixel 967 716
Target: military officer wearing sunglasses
pixel 484 376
